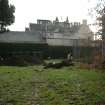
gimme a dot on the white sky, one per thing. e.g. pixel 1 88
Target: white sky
pixel 30 10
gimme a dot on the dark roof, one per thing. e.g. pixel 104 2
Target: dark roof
pixel 21 37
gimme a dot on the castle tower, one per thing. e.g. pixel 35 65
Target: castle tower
pixel 57 20
pixel 67 20
pixel 67 25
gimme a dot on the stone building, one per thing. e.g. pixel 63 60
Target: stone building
pixel 62 33
pixel 50 38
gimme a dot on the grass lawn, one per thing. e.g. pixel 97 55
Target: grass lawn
pixel 35 86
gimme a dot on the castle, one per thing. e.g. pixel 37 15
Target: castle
pixel 46 34
pixel 61 33
pixel 53 33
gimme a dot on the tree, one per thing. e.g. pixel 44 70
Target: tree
pixel 100 9
pixel 6 14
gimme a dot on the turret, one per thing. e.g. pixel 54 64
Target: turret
pixel 67 20
pixel 57 20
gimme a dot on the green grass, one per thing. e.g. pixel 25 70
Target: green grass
pixel 34 85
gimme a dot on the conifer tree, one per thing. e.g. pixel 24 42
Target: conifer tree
pixel 6 14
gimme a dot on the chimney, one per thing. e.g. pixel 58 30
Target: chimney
pixel 84 22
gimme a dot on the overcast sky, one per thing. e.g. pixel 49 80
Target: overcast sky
pixel 30 10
